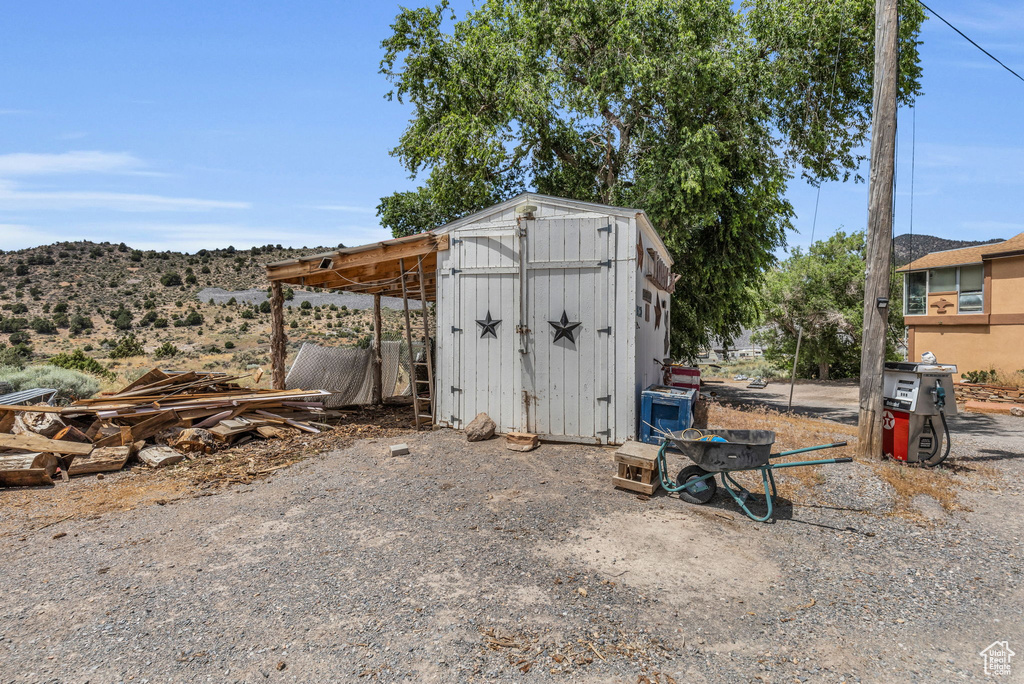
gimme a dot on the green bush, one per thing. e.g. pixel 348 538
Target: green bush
pixel 70 384
pixel 160 323
pixel 43 326
pixel 127 346
pixel 78 361
pixel 170 279
pixel 80 323
pixel 980 377
pixel 229 345
pixel 166 351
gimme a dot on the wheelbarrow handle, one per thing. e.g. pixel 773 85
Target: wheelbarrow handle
pixel 810 448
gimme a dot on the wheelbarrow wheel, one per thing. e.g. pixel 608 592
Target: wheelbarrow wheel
pixel 699 492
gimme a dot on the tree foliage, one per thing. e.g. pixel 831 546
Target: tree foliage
pixel 696 111
pixel 822 291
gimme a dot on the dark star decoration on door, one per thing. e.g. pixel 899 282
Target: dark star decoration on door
pixel 657 313
pixel 564 328
pixel 489 326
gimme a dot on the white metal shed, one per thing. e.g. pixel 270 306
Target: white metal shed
pixel 552 316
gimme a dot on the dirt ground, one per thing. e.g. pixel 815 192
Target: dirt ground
pixel 468 562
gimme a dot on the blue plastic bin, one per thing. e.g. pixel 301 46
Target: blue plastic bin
pixel 668 409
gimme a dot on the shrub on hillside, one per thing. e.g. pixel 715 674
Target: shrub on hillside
pixel 78 361
pixel 43 326
pixel 80 323
pixel 166 351
pixel 170 279
pixel 127 346
pixel 69 384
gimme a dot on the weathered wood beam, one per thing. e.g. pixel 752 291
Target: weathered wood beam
pixel 378 361
pixel 426 243
pixel 278 340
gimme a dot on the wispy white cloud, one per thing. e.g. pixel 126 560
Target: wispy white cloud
pixel 346 208
pixel 188 237
pixel 34 164
pixel 14 198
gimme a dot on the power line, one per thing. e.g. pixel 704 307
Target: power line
pixel 991 56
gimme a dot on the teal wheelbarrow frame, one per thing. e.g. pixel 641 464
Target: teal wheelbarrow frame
pixel 696 483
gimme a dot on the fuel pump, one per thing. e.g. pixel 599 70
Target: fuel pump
pixel 914 397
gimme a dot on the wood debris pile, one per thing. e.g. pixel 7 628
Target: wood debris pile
pixel 161 418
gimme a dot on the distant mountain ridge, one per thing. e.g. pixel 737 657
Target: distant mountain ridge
pixel 926 244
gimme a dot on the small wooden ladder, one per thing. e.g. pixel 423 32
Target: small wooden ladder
pixel 422 390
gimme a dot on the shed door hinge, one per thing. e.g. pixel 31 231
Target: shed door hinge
pixel 456 270
pixel 607 228
pixel 607 398
pixel 456 389
pixel 607 263
pixel 455 330
pixel 606 331
pixel 456 241
pixel 606 433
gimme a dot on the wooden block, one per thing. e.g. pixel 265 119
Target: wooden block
pixel 102 459
pixel 7 420
pixel 29 461
pixel 521 441
pixel 32 477
pixel 399 449
pixel 30 442
pixel 159 456
pixel 72 434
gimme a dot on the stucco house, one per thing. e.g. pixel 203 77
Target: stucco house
pixel 966 306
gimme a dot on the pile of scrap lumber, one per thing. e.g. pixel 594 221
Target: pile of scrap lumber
pixel 159 419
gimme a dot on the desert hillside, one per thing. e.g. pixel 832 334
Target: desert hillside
pixel 128 308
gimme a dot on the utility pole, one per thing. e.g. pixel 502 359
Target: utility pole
pixel 879 244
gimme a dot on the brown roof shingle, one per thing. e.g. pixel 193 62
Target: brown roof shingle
pixel 964 255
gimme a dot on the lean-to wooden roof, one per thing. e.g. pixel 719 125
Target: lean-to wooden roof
pixel 376 268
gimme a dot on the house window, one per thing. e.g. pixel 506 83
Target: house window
pixel 917 294
pixel 942 280
pixel 972 279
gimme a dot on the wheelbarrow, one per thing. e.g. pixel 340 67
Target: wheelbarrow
pixel 723 452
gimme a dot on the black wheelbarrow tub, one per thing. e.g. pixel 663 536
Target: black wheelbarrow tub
pixel 743 450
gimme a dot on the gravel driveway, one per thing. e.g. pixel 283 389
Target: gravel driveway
pixel 467 562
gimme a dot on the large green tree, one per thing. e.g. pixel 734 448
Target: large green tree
pixel 697 111
pixel 822 292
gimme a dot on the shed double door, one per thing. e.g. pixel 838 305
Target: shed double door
pixel 509 288
pixel 567 309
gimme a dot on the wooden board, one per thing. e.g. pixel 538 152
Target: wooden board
pixel 24 478
pixel 27 442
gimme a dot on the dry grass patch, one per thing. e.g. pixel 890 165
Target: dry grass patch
pixel 906 482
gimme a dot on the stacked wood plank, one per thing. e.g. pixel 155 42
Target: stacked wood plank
pixel 159 416
pixel 995 393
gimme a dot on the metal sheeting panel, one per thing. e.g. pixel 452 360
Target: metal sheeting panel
pixel 34 396
pixel 346 372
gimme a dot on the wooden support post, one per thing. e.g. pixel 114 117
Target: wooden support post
pixel 378 361
pixel 278 340
pixel 879 242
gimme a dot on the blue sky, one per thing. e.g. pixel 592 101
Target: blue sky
pixel 202 124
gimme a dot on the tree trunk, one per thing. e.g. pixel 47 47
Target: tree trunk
pixel 823 367
pixel 278 340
